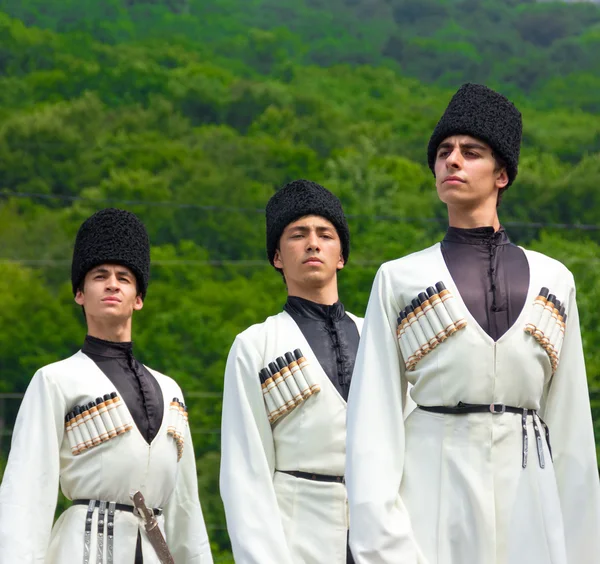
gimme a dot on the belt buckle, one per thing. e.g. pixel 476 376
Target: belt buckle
pixel 495 411
pixel 136 512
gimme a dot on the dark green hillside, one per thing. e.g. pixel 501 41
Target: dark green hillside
pixel 521 45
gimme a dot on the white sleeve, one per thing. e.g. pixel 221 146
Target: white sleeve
pixel 380 528
pixel 29 487
pixel 184 523
pixel 566 411
pixel 248 464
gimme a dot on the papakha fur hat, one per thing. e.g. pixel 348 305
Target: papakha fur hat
pixel 112 236
pixel 298 199
pixel 480 112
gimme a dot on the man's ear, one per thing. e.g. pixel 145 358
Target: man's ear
pixel 277 262
pixel 502 179
pixel 139 303
pixel 79 297
pixel 341 263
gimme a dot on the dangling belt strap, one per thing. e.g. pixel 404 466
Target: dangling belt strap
pixel 106 511
pixel 498 409
pixel 314 477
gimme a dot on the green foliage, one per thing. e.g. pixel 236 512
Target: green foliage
pixel 24 292
pixel 523 44
pixel 195 133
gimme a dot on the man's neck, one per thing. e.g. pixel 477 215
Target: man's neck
pixel 470 218
pixel 326 295
pixel 115 333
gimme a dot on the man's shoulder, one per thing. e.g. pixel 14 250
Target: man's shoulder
pixel 412 260
pixel 157 374
pixel 548 265
pixel 257 332
pixel 62 376
pixel 62 369
pixel 165 382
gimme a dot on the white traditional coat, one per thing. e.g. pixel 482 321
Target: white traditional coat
pixel 451 489
pixel 41 456
pixel 275 518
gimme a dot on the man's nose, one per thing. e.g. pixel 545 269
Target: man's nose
pixel 112 283
pixel 454 159
pixel 312 241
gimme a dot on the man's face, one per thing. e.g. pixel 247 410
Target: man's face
pixel 466 172
pixel 109 293
pixel 309 253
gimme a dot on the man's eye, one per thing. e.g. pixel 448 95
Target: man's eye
pixel 442 154
pixel 123 279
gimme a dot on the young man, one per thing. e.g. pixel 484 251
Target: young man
pixel 497 464
pixel 283 442
pixel 70 428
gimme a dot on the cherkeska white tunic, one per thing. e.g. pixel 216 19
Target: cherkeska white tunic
pixel 451 489
pixel 41 456
pixel 272 517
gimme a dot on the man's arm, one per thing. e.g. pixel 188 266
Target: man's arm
pixel 248 464
pixel 566 411
pixel 184 523
pixel 29 487
pixel 380 529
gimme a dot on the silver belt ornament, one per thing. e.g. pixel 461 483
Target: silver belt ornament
pixel 110 532
pixel 87 537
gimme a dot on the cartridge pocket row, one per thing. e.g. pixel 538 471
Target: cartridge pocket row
pixel 427 321
pixel 547 324
pixel 96 422
pixel 177 425
pixel 286 383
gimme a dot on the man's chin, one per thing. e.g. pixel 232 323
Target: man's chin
pixel 458 199
pixel 110 313
pixel 316 279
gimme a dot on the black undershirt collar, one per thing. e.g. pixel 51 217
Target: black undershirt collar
pixel 313 310
pixel 108 349
pixel 477 236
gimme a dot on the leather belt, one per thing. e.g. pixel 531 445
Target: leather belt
pixel 118 506
pixel 498 409
pixel 463 408
pixel 314 477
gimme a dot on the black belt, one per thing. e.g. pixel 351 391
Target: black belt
pixel 314 477
pixel 119 506
pixel 497 409
pixel 462 408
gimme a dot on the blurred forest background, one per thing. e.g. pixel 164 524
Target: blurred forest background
pixel 191 113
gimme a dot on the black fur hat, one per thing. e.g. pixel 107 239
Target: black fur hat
pixel 297 199
pixel 478 111
pixel 112 236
